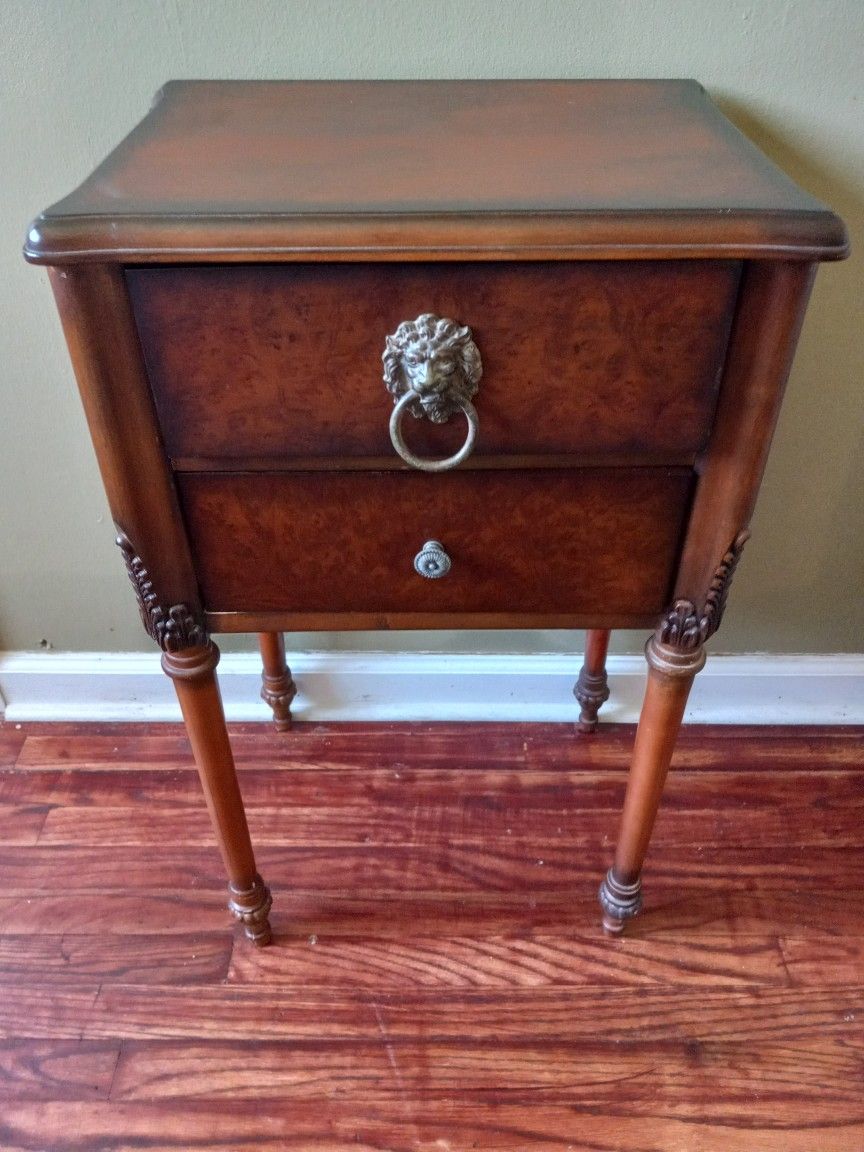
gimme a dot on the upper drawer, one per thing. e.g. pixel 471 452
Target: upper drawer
pixel 282 361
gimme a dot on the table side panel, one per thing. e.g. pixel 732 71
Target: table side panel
pixel 773 300
pixel 103 346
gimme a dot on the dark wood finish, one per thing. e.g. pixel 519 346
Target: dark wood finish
pixel 194 674
pixel 448 169
pixel 517 542
pixel 277 684
pixel 420 992
pixel 577 358
pixel 592 686
pixel 634 274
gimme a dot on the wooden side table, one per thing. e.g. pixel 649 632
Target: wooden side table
pixel 433 355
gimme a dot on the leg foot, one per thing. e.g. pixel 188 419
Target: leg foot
pixel 277 684
pixel 592 688
pixel 619 902
pixel 251 906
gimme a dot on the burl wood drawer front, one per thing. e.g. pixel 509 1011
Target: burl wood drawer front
pixel 581 541
pixel 285 360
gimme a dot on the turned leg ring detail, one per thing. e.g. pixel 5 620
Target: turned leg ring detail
pixel 592 692
pixel 277 684
pixel 619 901
pixel 251 906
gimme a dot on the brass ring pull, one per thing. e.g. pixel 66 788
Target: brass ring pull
pixel 424 463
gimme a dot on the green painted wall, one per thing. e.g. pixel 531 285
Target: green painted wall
pixel 75 75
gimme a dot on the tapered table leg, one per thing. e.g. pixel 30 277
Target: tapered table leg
pixel 277 684
pixel 670 676
pixel 193 671
pixel 592 687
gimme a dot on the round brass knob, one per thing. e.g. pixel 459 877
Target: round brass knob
pixel 432 561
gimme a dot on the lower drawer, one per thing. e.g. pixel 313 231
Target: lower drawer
pixel 593 541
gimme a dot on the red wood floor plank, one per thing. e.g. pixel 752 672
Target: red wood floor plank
pixel 590 1076
pixel 338 1125
pixel 136 959
pixel 56 1070
pixel 743 1015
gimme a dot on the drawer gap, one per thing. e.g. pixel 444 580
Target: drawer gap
pixel 393 464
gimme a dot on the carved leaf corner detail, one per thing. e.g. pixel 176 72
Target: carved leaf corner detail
pixel 683 627
pixel 174 629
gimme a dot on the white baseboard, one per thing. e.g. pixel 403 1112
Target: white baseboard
pixel 743 689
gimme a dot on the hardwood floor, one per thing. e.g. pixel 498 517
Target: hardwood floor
pixel 439 981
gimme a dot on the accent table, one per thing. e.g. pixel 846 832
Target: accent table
pixel 431 354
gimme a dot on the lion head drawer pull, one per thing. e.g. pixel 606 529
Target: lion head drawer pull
pixel 432 561
pixel 432 367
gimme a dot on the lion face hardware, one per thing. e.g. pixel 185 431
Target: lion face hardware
pixel 433 368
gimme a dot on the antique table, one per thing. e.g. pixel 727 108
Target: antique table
pixel 433 355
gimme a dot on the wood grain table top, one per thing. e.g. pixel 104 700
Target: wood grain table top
pixel 349 170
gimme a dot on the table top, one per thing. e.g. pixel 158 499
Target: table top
pixel 448 169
